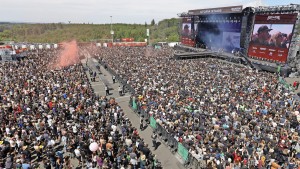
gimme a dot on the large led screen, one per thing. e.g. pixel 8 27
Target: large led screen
pixel 219 35
pixel 186 29
pixel 271 37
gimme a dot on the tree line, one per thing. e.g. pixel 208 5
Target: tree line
pixel 165 30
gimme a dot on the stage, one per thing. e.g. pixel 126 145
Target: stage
pixel 183 52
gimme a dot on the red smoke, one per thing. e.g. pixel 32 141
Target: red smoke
pixel 68 55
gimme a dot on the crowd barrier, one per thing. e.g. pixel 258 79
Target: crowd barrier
pixel 167 138
pixel 285 84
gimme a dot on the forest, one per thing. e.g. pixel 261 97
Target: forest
pixel 165 30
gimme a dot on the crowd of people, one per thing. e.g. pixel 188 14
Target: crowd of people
pixel 50 115
pixel 227 115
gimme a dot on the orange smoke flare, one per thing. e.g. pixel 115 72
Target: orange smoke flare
pixel 68 56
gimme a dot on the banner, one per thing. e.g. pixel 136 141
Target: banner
pixel 183 152
pixel 134 105
pixel 230 9
pixel 272 36
pixel 278 69
pixel 276 19
pixel 186 29
pixel 152 122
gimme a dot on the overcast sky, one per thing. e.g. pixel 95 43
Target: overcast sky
pixel 99 11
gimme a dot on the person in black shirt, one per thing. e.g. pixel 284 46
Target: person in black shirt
pixel 154 140
pixel 114 79
pixel 262 36
pixel 47 164
pixel 146 150
pixel 106 90
pixel 141 123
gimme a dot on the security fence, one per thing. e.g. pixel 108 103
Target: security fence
pixel 285 84
pixel 168 138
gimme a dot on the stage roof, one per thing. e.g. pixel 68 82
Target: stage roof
pixel 221 10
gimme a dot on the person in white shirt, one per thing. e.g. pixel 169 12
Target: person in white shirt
pixel 120 90
pixel 114 127
pixel 7 130
pixel 74 129
pixel 78 154
pixel 128 141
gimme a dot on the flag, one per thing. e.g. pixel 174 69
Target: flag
pixel 278 69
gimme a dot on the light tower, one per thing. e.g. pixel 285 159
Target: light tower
pixel 111 30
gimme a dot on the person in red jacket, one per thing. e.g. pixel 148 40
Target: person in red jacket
pixel 296 85
pixel 237 157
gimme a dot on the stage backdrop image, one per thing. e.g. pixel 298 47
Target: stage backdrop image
pixel 186 29
pixel 187 37
pixel 271 36
pixel 219 32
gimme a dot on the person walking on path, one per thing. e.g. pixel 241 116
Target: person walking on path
pixel 94 76
pixel 106 90
pixel 142 123
pixel 120 89
pixel 114 79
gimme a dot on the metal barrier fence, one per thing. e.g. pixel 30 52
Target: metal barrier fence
pixel 285 84
pixel 168 138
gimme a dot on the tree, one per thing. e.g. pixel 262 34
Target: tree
pixel 152 22
pixel 145 24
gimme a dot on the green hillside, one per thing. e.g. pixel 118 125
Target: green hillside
pixel 166 30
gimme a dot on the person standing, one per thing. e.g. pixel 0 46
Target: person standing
pixel 154 140
pixel 94 76
pixel 114 79
pixel 106 90
pixel 120 89
pixel 78 154
pixel 296 85
pixel 142 123
pixel 123 88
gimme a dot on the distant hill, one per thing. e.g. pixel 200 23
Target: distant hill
pixel 165 30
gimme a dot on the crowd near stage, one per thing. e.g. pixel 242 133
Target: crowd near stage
pixel 185 52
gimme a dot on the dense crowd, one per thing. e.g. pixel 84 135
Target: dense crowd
pixel 50 115
pixel 227 115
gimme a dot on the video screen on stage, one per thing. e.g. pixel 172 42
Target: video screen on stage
pixel 187 34
pixel 186 29
pixel 219 34
pixel 271 36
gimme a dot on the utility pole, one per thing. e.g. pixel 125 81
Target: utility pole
pixel 148 36
pixel 111 30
